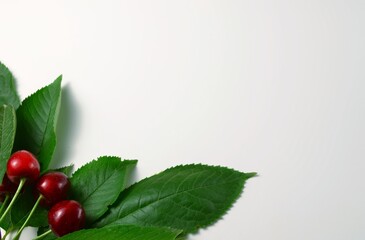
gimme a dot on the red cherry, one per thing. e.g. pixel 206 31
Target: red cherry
pixel 53 187
pixel 22 164
pixel 2 195
pixel 7 188
pixel 2 198
pixel 65 217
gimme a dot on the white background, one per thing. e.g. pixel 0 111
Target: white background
pixel 275 87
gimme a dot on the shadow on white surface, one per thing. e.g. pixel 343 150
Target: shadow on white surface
pixel 66 131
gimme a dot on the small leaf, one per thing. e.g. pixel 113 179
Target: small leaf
pixel 7 135
pixel 66 170
pixel 124 233
pixel 98 184
pixel 8 93
pixel 184 197
pixel 36 123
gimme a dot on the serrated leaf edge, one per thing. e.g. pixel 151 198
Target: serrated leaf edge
pixel 98 158
pixel 234 197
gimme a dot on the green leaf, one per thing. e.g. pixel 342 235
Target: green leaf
pixel 66 170
pixel 7 135
pixel 124 233
pixel 184 197
pixel 8 93
pixel 36 123
pixel 98 184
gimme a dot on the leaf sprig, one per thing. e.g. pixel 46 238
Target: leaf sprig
pixel 166 206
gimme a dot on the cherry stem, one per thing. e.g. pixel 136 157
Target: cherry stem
pixel 29 216
pixel 21 184
pixel 42 235
pixel 6 200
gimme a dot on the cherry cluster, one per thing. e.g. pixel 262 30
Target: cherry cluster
pixel 51 190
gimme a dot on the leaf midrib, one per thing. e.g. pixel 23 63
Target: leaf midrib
pixel 47 126
pixel 168 196
pixel 100 185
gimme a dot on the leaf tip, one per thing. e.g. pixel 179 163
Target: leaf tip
pixel 59 79
pixel 251 175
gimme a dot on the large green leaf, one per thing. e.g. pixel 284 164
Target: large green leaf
pixel 124 233
pixel 98 184
pixel 36 123
pixel 8 93
pixel 7 134
pixel 184 197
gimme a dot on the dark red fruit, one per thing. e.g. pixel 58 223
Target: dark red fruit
pixel 66 217
pixel 53 187
pixel 2 194
pixel 7 188
pixel 22 164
